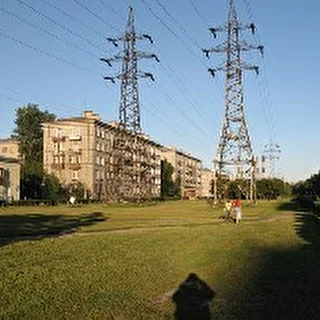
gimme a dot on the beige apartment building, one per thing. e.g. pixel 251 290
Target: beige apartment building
pixel 188 168
pixel 111 162
pixel 9 148
pixel 206 183
pixel 9 170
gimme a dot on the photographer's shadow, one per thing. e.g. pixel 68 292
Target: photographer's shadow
pixel 193 299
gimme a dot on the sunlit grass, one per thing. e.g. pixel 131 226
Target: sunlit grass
pixel 128 263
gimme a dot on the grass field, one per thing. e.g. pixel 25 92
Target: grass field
pixel 131 262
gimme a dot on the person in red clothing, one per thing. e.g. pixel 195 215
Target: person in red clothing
pixel 236 204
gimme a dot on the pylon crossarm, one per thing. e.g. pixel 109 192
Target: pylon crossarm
pixel 215 30
pixel 145 55
pixel 145 75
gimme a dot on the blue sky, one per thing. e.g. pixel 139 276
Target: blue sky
pixel 281 102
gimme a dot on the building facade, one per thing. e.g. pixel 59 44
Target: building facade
pixel 206 183
pixel 187 168
pixel 111 162
pixel 9 170
pixel 9 148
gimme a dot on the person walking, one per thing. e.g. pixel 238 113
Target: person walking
pixel 227 209
pixel 237 210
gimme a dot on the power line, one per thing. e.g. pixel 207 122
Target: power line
pixel 170 99
pixel 98 17
pixel 199 13
pixel 184 89
pixel 71 17
pixel 158 18
pixel 25 102
pixel 184 30
pixel 55 57
pixel 60 25
pixel 263 83
pixel 179 83
pixel 30 24
pixel 105 4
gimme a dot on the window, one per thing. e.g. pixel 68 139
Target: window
pixel 102 133
pixel 102 161
pixel 98 160
pixel 97 175
pixel 98 147
pixel 75 175
pixel 78 159
pixel 58 132
pixel 56 159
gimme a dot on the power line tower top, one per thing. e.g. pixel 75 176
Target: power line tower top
pixel 129 111
pixel 234 157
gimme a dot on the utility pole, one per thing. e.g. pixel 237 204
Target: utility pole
pixel 129 111
pixel 234 160
pixel 270 155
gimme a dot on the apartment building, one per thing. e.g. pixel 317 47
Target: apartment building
pixel 9 148
pixel 187 168
pixel 206 183
pixel 111 162
pixel 9 170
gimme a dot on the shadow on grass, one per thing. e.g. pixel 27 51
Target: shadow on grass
pixel 285 282
pixel 289 281
pixel 193 299
pixel 291 206
pixel 38 226
pixel 275 282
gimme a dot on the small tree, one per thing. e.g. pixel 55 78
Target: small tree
pixel 28 132
pixel 169 188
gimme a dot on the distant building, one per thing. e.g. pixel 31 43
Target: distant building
pixel 206 183
pixel 111 162
pixel 187 168
pixel 9 148
pixel 10 164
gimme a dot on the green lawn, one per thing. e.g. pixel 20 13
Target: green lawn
pixel 127 262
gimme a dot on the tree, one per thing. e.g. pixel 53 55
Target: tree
pixel 169 188
pixel 271 189
pixel 28 132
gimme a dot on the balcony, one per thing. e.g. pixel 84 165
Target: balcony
pixel 58 166
pixel 74 166
pixel 74 151
pixel 75 138
pixel 58 139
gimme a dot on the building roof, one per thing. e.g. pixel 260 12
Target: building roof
pixel 182 153
pixel 9 160
pixel 9 140
pixel 90 117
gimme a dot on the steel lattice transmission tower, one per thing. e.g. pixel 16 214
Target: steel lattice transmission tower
pixel 129 112
pixel 271 154
pixel 234 158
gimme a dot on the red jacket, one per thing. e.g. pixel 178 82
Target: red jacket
pixel 236 203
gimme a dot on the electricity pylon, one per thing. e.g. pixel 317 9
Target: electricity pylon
pixel 129 112
pixel 234 158
pixel 270 155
